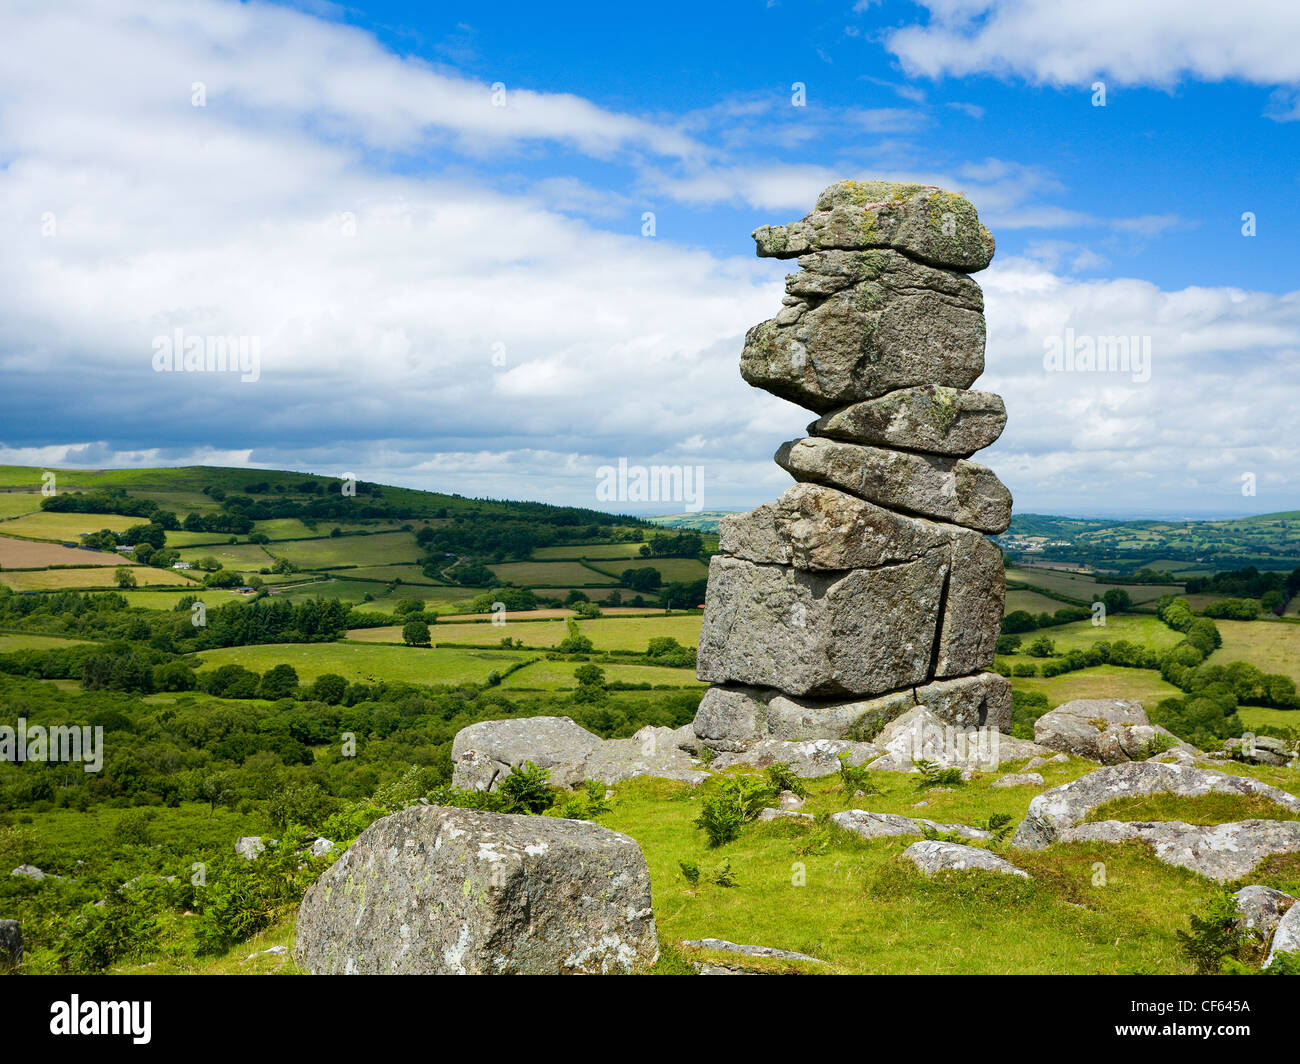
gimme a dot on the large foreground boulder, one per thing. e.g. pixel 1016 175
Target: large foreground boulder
pixel 1052 813
pixel 485 753
pixel 441 891
pixel 1286 939
pixel 1261 908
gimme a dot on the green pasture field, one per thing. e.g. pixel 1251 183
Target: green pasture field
pixel 360 661
pixel 1102 681
pixel 1259 716
pixel 99 578
pixel 379 548
pixel 384 574
pixel 177 540
pixel 549 574
pixel 1143 629
pixel 16 503
pixel 1031 602
pixel 1271 646
pixel 558 676
pixel 671 569
pixel 606 633
pixel 65 528
pixel 598 594
pixel 243 557
pixel 593 551
pixel 10 641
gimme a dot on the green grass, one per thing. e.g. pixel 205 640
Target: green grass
pixel 863 910
pixel 1202 809
pixel 606 633
pixel 358 661
pixel 1030 602
pixel 407 574
pixel 1144 630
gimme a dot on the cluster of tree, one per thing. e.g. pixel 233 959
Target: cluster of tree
pixel 1245 583
pixel 645 579
pixel 100 501
pixel 683 544
pixel 1019 621
pixel 683 594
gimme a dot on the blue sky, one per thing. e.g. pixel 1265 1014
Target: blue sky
pixel 458 296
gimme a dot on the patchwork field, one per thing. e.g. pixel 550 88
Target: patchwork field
pixel 606 633
pixel 244 557
pixel 1031 602
pixel 1085 588
pixel 594 551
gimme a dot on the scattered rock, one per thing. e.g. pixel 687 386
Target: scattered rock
pixel 1018 779
pixel 250 847
pixel 1261 908
pixel 888 825
pixel 11 944
pixel 1108 730
pixel 1259 750
pixel 321 847
pixel 932 856
pixel 274 951
pixel 1054 811
pixel 1038 762
pixel 790 800
pixel 1222 852
pixel 485 753
pixel 27 871
pixel 784 814
pixel 724 946
pixel 919 735
pixel 435 890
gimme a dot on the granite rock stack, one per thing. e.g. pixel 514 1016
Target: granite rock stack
pixel 868 587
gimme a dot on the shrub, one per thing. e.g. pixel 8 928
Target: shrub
pixel 781 777
pixel 527 789
pixel 1214 936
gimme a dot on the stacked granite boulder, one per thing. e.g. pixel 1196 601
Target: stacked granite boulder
pixel 868 587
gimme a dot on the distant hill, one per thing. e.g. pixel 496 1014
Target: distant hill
pixel 1266 541
pixel 704 521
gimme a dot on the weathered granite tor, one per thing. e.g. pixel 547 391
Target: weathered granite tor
pixel 869 587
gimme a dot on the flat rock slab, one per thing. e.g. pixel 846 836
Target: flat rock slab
pixel 1018 779
pixel 890 825
pixel 441 891
pixel 650 752
pixel 932 856
pixel 485 753
pixel 1261 908
pixel 1222 852
pixel 837 340
pixel 808 758
pixel 925 222
pixel 1051 813
pixel 928 417
pixel 724 946
pixel 805 633
pixel 946 489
